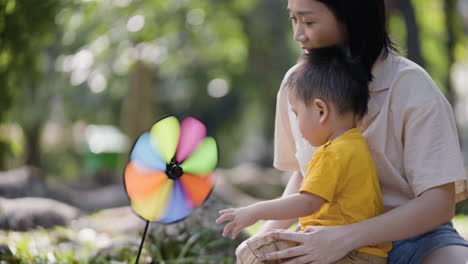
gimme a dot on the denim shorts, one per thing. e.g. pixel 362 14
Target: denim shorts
pixel 414 249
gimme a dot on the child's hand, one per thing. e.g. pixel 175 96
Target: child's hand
pixel 239 218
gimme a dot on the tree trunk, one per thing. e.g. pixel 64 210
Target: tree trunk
pixel 450 25
pixel 138 105
pixel 32 135
pixel 267 61
pixel 412 40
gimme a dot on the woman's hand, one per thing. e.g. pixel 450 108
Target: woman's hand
pixel 319 245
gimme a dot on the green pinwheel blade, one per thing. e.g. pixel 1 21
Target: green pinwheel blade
pixel 204 159
pixel 165 136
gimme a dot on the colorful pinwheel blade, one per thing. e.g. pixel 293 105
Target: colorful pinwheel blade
pixel 192 133
pixel 204 159
pixel 165 137
pixel 146 154
pixel 140 182
pixel 197 187
pixel 151 207
pixel 178 207
pixel 153 195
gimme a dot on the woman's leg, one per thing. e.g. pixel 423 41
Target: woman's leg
pixel 450 254
pixel 442 244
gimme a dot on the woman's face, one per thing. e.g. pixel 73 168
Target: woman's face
pixel 314 25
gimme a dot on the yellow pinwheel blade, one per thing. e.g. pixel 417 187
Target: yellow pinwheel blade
pixel 152 206
pixel 165 137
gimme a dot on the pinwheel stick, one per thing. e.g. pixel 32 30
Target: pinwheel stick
pixel 142 241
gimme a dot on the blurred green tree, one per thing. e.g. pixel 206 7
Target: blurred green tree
pixel 140 60
pixel 129 62
pixel 26 29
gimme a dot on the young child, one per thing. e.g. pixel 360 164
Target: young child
pixel 328 94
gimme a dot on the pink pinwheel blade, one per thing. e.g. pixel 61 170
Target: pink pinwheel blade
pixel 192 133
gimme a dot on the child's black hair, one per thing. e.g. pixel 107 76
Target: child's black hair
pixel 331 75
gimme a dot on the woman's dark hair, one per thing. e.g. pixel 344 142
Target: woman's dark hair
pixel 365 22
pixel 332 75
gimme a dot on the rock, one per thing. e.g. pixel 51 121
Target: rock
pixel 24 181
pixel 27 213
pixel 30 182
pixel 121 220
pixel 5 251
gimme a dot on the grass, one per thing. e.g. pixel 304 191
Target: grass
pixel 85 245
pixel 460 222
pixel 79 246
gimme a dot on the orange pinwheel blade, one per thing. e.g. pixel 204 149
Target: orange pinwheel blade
pixel 151 207
pixel 198 187
pixel 140 182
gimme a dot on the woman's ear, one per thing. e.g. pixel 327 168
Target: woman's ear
pixel 322 108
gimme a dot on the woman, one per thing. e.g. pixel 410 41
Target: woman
pixel 411 134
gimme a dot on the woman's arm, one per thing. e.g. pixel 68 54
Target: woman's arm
pixel 292 187
pixel 432 208
pixel 326 244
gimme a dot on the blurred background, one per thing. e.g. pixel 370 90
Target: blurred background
pixel 80 80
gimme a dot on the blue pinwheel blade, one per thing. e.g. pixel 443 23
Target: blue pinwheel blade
pixel 178 207
pixel 146 154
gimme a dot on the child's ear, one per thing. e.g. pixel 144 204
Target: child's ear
pixel 323 109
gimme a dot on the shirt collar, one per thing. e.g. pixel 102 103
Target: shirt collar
pixel 382 72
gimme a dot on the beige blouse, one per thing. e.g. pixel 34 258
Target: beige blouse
pixel 409 127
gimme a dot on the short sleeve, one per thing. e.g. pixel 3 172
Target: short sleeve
pixel 284 145
pixel 323 177
pixel 432 155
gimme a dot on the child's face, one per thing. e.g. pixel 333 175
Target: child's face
pixel 311 119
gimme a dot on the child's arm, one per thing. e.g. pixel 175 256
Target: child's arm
pixel 293 187
pixel 290 207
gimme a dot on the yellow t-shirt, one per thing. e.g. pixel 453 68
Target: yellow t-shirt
pixel 343 173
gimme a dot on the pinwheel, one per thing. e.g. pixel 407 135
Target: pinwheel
pixel 170 172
